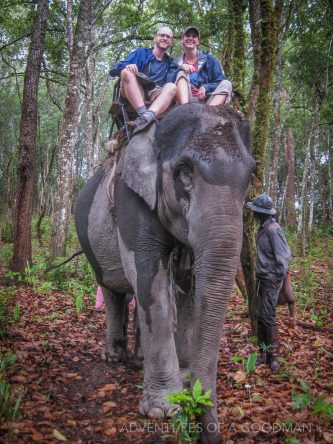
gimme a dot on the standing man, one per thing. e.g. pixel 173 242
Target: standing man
pixel 199 75
pixel 273 256
pixel 143 76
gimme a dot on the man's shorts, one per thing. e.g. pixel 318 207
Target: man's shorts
pixel 149 88
pixel 224 87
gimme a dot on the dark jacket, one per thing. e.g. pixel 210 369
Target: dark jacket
pixel 142 58
pixel 209 74
pixel 273 253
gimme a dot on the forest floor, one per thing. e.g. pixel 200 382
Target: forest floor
pixel 71 395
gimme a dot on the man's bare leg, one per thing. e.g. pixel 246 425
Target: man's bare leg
pixel 182 91
pixel 133 90
pixel 164 99
pixel 160 104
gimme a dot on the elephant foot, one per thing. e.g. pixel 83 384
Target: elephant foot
pixel 115 353
pixel 136 362
pixel 157 408
pixel 210 428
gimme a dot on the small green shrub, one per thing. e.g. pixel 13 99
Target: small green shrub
pixel 193 404
pixel 306 399
pixel 249 363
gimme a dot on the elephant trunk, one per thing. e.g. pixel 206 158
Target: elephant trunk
pixel 216 250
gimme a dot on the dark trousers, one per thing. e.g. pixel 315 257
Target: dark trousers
pixel 266 297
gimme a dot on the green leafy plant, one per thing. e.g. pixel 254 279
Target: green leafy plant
pixel 306 399
pixel 79 303
pixel 288 370
pixel 249 363
pixel 16 312
pixel 193 404
pixel 6 315
pixel 8 411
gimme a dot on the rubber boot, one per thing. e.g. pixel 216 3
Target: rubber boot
pixel 273 342
pixel 262 343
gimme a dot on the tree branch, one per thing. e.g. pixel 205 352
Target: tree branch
pixel 14 41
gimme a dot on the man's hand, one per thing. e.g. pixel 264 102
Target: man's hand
pixel 132 68
pixel 187 68
pixel 201 94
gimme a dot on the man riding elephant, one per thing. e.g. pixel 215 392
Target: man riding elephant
pixel 199 76
pixel 143 76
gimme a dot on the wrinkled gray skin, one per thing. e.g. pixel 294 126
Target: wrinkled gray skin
pixel 185 193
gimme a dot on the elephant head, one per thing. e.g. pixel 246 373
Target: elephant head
pixel 195 175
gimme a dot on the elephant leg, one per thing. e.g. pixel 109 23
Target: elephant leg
pixel 184 335
pixel 155 309
pixel 137 360
pixel 116 326
pixel 138 353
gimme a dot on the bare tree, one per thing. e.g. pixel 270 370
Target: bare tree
pixel 330 178
pixel 69 129
pixel 289 200
pixel 273 182
pixel 27 140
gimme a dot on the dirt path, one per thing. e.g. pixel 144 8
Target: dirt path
pixel 72 394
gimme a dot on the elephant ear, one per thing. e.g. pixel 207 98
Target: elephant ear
pixel 138 167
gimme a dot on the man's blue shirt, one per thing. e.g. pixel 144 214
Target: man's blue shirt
pixel 147 64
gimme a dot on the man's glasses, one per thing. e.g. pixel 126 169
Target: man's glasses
pixel 165 36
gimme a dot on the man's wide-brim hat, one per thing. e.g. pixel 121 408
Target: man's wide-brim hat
pixel 191 28
pixel 262 204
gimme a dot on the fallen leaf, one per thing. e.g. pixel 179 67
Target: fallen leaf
pixel 56 434
pixel 71 422
pixel 107 406
pixel 328 437
pixel 38 437
pixel 107 388
pixel 109 432
pixel 239 376
pixel 319 342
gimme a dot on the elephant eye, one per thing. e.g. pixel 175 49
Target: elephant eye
pixel 185 176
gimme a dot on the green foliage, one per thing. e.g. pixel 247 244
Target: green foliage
pixel 193 405
pixel 288 370
pixel 9 407
pixel 307 399
pixel 249 363
pixel 8 411
pixel 79 303
pixel 7 314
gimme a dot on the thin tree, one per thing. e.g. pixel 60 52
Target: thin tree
pixel 27 144
pixel 68 136
pixel 290 192
pixel 265 46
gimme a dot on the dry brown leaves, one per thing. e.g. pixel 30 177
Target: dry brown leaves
pixel 73 396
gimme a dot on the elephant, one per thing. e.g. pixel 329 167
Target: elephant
pixel 166 225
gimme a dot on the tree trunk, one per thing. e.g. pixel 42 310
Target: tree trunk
pixel 273 180
pixel 289 202
pixel 301 220
pixel 312 179
pixel 270 19
pixel 238 56
pixel 330 178
pixel 27 140
pixel 90 68
pixel 68 136
pixel 254 15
